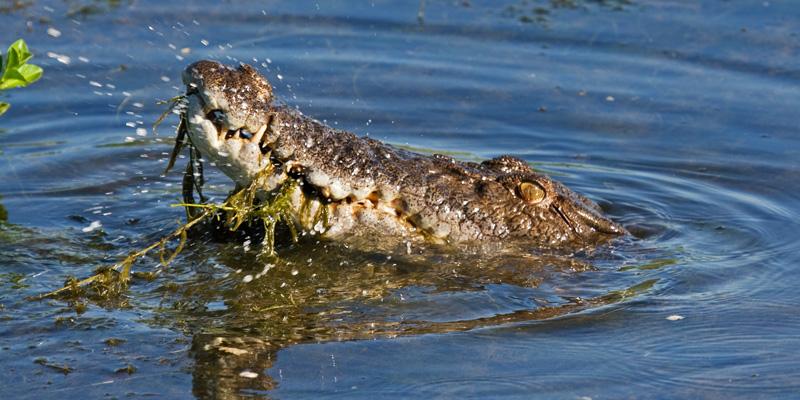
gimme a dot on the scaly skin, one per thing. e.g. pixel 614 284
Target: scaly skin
pixel 371 188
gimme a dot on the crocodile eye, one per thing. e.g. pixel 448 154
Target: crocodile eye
pixel 531 192
pixel 217 117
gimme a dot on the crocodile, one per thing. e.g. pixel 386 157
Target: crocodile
pixel 370 188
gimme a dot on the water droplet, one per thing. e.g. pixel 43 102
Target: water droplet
pixel 59 57
pixel 94 225
pixel 248 374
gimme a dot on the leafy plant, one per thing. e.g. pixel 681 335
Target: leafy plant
pixel 16 72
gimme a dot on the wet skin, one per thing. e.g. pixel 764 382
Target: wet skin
pixel 371 188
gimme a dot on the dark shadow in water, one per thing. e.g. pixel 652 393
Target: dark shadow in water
pixel 241 309
pixel 228 364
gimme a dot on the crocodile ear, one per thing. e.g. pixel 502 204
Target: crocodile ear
pixel 508 164
pixel 531 192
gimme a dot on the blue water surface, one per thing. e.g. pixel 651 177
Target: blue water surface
pixel 679 118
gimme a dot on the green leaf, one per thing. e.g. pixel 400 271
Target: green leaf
pixel 14 79
pixel 11 64
pixel 16 55
pixel 31 73
pixel 21 50
pixel 17 73
pixel 15 70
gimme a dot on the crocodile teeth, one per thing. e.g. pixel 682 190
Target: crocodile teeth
pixel 338 191
pixel 257 136
pixel 318 178
pixel 361 193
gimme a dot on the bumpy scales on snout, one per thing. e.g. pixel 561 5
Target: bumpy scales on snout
pixel 372 188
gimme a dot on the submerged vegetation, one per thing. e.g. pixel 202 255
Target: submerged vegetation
pixel 16 72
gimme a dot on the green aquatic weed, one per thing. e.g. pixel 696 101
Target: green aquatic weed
pixel 16 72
pixel 241 207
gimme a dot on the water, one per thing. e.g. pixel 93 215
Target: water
pixel 678 117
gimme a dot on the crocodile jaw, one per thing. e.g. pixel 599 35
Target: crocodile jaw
pixel 239 159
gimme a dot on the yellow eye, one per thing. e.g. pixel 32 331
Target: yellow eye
pixel 531 192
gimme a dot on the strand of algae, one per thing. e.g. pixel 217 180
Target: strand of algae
pixel 115 279
pixel 240 207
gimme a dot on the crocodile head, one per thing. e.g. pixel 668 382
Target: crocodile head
pixel 371 187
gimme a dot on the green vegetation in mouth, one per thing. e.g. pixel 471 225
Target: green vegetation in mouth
pixel 16 72
pixel 243 206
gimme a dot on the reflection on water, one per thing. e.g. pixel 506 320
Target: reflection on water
pixel 316 293
pixel 240 308
pixel 678 118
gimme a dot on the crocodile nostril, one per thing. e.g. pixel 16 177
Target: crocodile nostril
pixel 217 117
pixel 245 134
